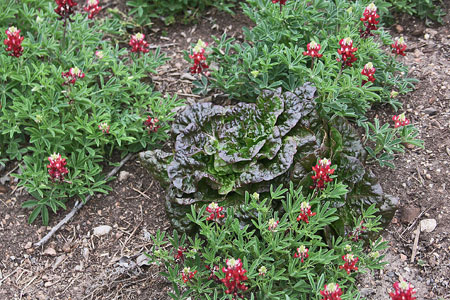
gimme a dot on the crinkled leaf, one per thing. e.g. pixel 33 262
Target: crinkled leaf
pixel 263 171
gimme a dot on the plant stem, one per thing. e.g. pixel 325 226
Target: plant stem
pixel 64 33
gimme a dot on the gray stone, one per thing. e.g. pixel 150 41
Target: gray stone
pixel 102 230
pixel 427 225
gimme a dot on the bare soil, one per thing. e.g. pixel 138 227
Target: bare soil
pixel 76 264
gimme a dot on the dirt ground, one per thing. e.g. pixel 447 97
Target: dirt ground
pixel 76 264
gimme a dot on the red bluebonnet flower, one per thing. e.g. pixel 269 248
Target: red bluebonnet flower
pixel 99 54
pixel 215 211
pixel 150 124
pixel 400 120
pixel 312 49
pixel 212 275
pixel 262 271
pixel 368 71
pixel 399 46
pixel 302 253
pixel 322 174
pixel 354 235
pixel 305 212
pixel 56 167
pixel 282 2
pixel 180 253
pixel 273 224
pixel 104 127
pixel 92 8
pixel 72 75
pixel 200 65
pixel 234 276
pixel 187 274
pixel 350 263
pixel 346 51
pixel 65 9
pixel 14 41
pixel 138 44
pixel 198 55
pixel 369 20
pixel 403 291
pixel 331 291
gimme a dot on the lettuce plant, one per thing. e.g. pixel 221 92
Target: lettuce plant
pixel 221 152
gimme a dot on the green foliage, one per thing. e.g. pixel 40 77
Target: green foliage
pixel 257 246
pixel 272 57
pixel 425 9
pixel 40 116
pixel 143 10
pixel 388 141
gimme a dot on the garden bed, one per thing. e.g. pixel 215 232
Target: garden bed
pixel 76 264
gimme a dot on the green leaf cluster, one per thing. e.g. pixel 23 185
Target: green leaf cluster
pixel 39 115
pixel 430 10
pixel 257 246
pixel 272 57
pixel 142 11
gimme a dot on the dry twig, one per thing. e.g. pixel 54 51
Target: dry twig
pixel 142 193
pixel 416 242
pixel 129 237
pixel 415 220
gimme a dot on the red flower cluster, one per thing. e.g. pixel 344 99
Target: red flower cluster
pixel 322 171
pixel 403 291
pixel 215 211
pixel 332 291
pixel 186 274
pixel 92 8
pixel 150 124
pixel 56 167
pixel 262 271
pixel 72 75
pixel 65 8
pixel 313 50
pixel 273 224
pixel 138 44
pixel 14 41
pixel 302 253
pixel 368 71
pixel 305 212
pixel 350 263
pixel 212 275
pixel 180 254
pixel 369 20
pixel 399 46
pixel 354 235
pixel 234 275
pixel 400 120
pixel 104 127
pixel 282 2
pixel 198 55
pixel 346 51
